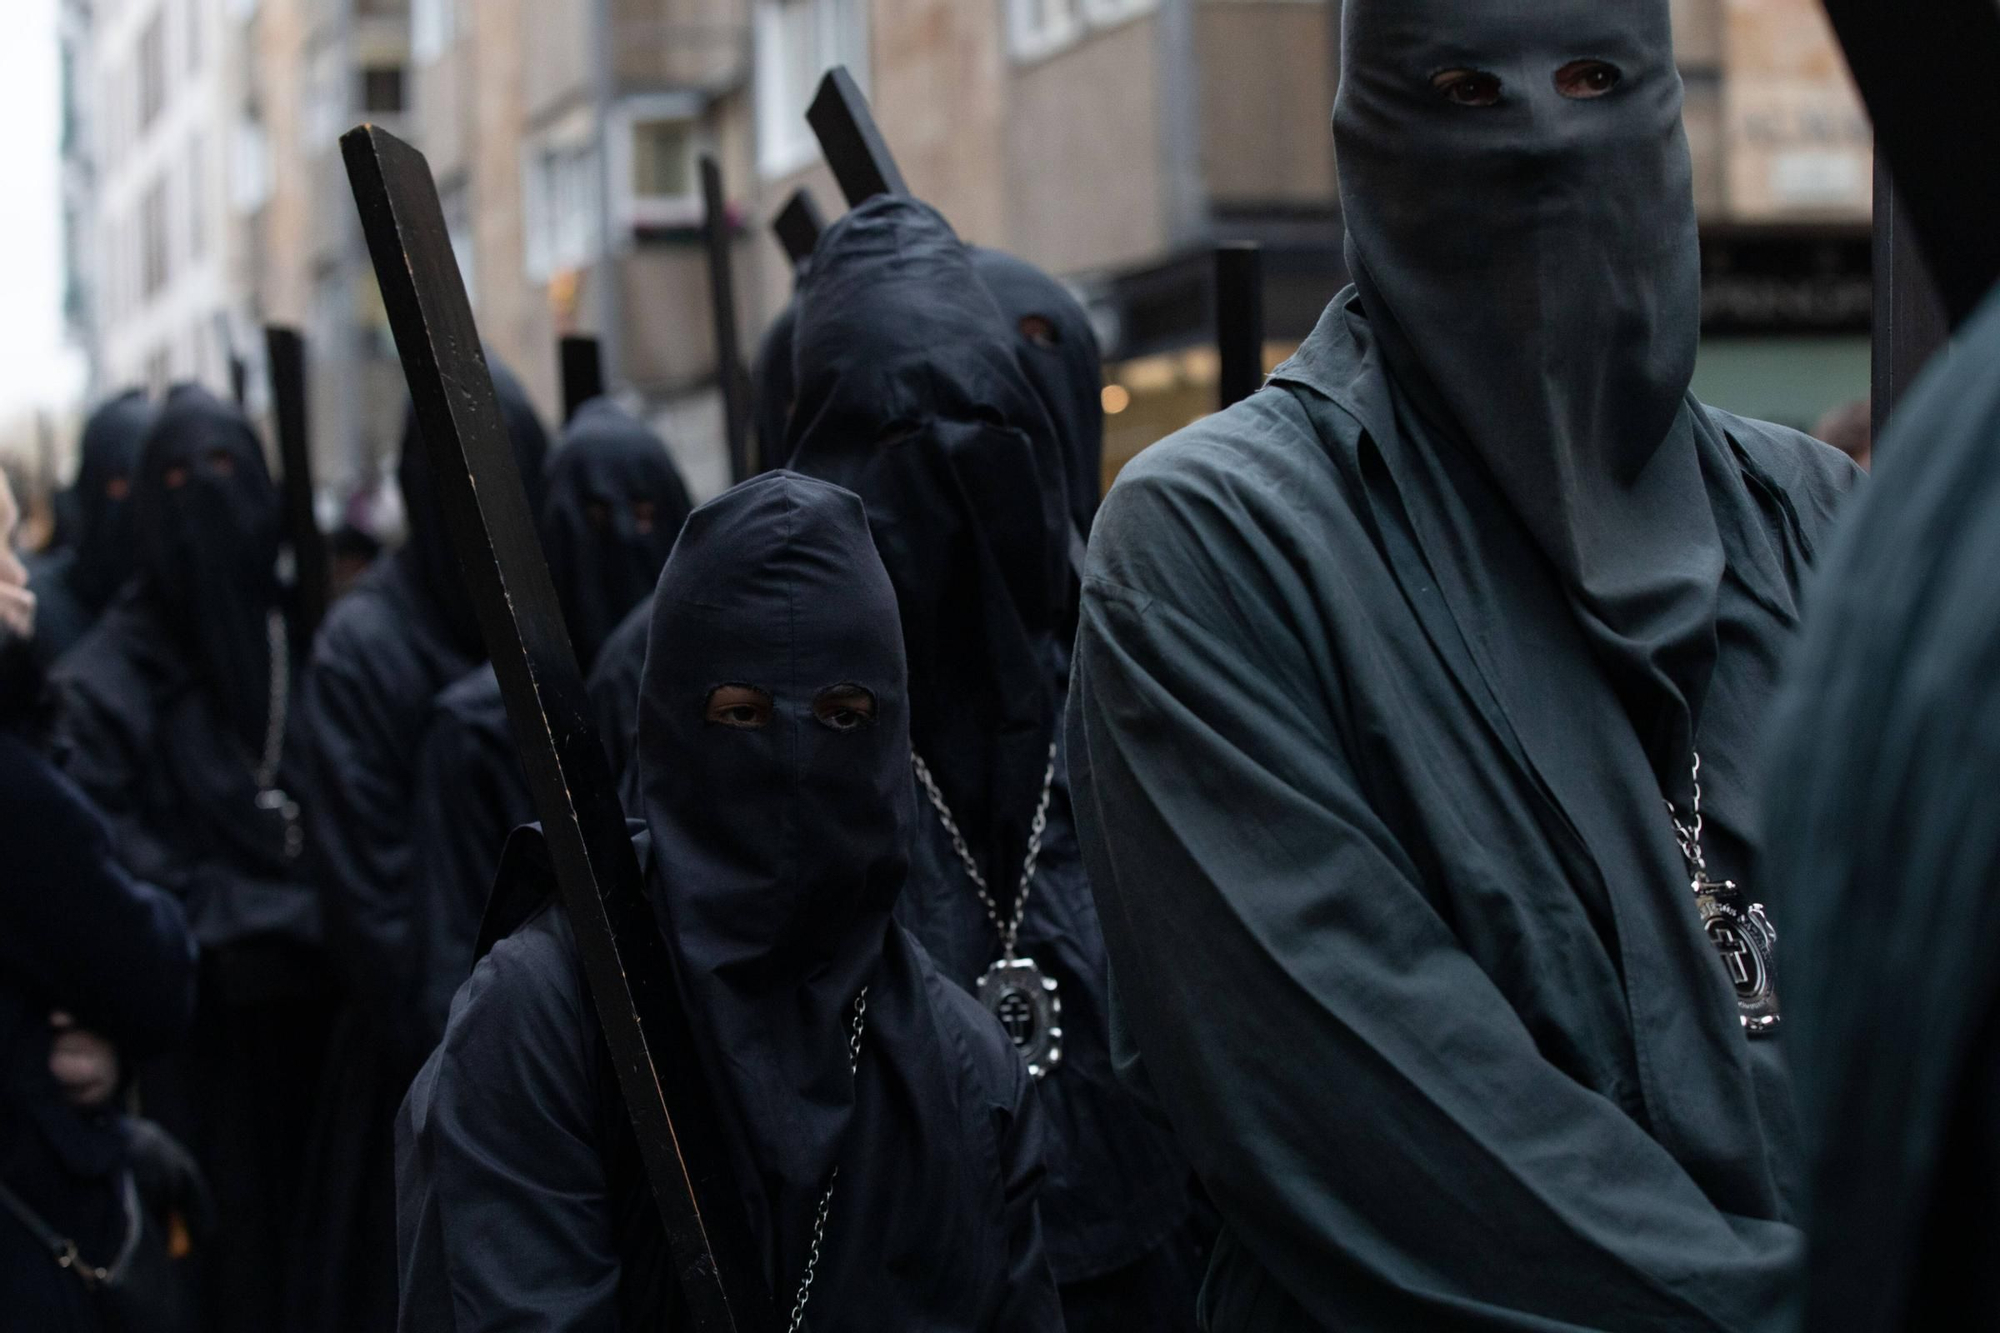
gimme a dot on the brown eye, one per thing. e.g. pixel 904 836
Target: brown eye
pixel 1467 87
pixel 117 488
pixel 598 515
pixel 1040 330
pixel 175 477
pixel 1581 80
pixel 744 707
pixel 844 707
pixel 221 462
pixel 642 516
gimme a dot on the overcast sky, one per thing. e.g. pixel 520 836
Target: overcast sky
pixel 36 369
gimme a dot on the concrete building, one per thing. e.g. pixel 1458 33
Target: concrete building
pixel 1114 142
pixel 313 69
pixel 157 285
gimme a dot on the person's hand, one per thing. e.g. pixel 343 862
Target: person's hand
pixel 84 1065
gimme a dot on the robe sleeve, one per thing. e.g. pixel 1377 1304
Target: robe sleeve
pixel 462 820
pixel 1032 1303
pixel 1373 1121
pixel 358 833
pixel 77 930
pixel 504 1214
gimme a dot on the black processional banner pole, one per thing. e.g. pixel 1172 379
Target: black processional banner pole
pixel 850 140
pixel 1239 321
pixel 1925 71
pixel 798 226
pixel 582 365
pixel 729 370
pixel 625 960
pixel 285 360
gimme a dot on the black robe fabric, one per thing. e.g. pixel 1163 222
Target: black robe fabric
pixel 1882 857
pixel 77 934
pixel 614 504
pixel 1058 352
pixel 74 584
pixel 385 651
pixel 1397 918
pixel 165 706
pixel 614 697
pixel 773 855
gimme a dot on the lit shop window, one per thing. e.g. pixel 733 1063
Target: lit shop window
pixel 796 42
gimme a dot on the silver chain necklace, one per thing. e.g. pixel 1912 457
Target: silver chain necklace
pixel 270 796
pixel 826 1199
pixel 1013 989
pixel 1741 932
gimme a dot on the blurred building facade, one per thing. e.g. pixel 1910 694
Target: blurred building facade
pixel 155 278
pixel 1111 141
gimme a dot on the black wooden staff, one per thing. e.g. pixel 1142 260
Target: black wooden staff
pixel 850 140
pixel 798 226
pixel 486 512
pixel 1926 72
pixel 582 365
pixel 285 357
pixel 729 370
pixel 1239 321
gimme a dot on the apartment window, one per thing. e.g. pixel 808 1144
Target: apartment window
pixel 1037 28
pixel 796 42
pixel 154 261
pixel 192 29
pixel 382 90
pixel 433 28
pixel 152 70
pixel 655 143
pixel 250 164
pixel 561 207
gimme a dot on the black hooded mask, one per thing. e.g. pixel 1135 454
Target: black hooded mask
pixel 777 856
pixel 910 394
pixel 1527 255
pixel 207 522
pixel 428 546
pixel 1058 352
pixel 614 504
pixel 103 506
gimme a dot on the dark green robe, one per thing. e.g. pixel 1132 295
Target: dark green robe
pixel 1392 900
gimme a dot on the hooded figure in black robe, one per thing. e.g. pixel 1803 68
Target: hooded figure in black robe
pixel 614 504
pixel 386 649
pixel 1882 852
pixel 774 742
pixel 1058 352
pixel 1385 677
pixel 176 722
pixel 910 394
pixel 73 585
